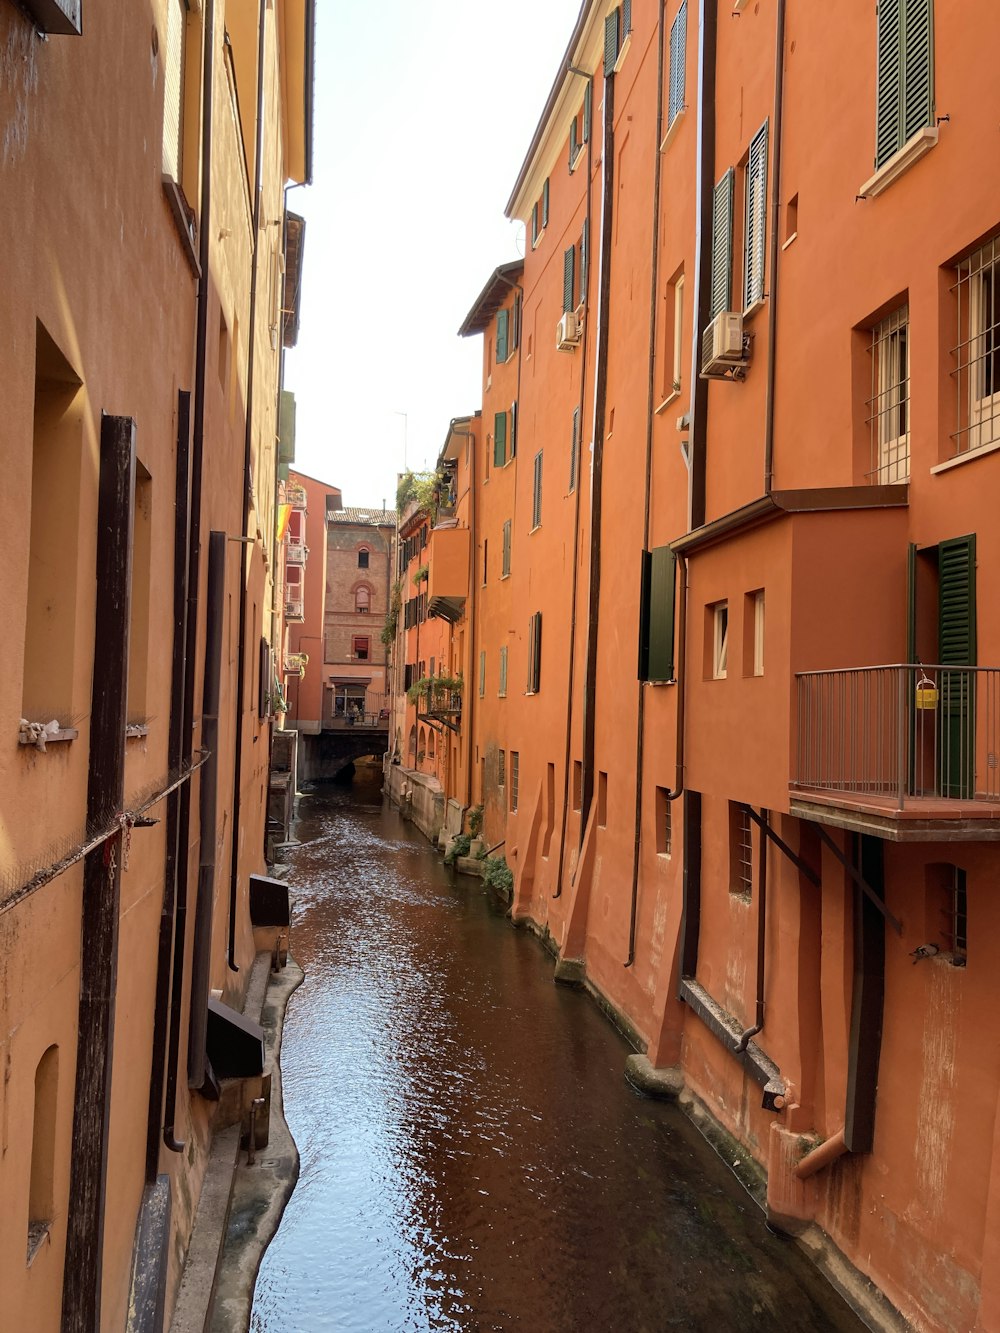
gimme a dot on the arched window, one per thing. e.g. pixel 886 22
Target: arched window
pixel 41 1199
pixel 362 601
pixel 422 746
pixel 413 742
pixel 430 743
pixel 363 558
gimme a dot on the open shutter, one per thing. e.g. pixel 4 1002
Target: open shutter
pixel 918 67
pixel 573 143
pixel 644 582
pixel 584 257
pixel 502 325
pixel 173 88
pixel 588 102
pixel 515 323
pixel 626 18
pixel 499 439
pixel 534 223
pixel 545 204
pixel 535 653
pixel 722 243
pixel 569 276
pixel 536 499
pixel 506 548
pixel 513 428
pixel 574 449
pixel 661 614
pixel 610 43
pixel 890 80
pixel 756 206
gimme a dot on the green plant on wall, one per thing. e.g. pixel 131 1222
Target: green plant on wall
pixel 498 875
pixel 425 488
pixel 476 820
pixel 388 634
pixel 420 689
pixel 459 847
pixel 421 574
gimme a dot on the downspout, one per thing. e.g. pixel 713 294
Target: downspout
pixel 174 755
pixel 567 754
pixel 234 869
pixel 654 265
pixel 758 1022
pixel 600 406
pixel 194 555
pixel 202 945
pixel 772 312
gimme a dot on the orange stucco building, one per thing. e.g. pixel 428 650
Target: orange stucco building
pixel 733 640
pixel 145 155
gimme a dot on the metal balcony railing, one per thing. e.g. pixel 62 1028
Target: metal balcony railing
pixel 348 708
pixel 901 731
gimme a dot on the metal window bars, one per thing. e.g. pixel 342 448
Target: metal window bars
pixel 977 352
pixel 888 407
pixel 904 732
pixel 741 880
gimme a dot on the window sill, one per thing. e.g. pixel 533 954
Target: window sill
pixel 184 221
pixel 966 457
pixel 793 237
pixel 41 738
pixel 623 52
pixel 752 310
pixel 534 529
pixel 576 159
pixel 136 731
pixel 538 239
pixel 912 151
pixel 672 129
pixel 670 398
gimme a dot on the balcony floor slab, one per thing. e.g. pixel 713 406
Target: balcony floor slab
pixel 922 818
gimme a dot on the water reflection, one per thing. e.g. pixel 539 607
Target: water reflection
pixel 472 1157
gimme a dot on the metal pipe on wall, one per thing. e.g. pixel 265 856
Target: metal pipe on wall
pixel 772 305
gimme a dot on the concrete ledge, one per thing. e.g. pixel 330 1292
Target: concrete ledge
pixel 570 971
pixel 664 1084
pixel 469 865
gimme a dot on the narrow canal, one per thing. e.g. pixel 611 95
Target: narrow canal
pixel 472 1157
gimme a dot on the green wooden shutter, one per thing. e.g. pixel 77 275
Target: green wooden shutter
pixel 918 67
pixel 957 648
pixel 574 449
pixel 515 323
pixel 610 43
pixel 534 223
pixel 661 614
pixel 506 548
pixel 545 204
pixel 513 428
pixel 573 143
pixel 536 499
pixel 678 55
pixel 890 79
pixel 502 324
pixel 644 581
pixel 756 219
pixel 482 673
pixel 499 439
pixel 588 103
pixel 584 257
pixel 626 18
pixel 722 243
pixel 569 278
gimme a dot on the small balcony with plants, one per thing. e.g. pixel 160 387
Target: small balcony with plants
pixel 438 699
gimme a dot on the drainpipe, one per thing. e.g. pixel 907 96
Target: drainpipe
pixel 772 311
pixel 600 410
pixel 234 870
pixel 654 267
pixel 202 944
pixel 567 755
pixel 175 750
pixel 758 1023
pixel 826 1153
pixel 194 555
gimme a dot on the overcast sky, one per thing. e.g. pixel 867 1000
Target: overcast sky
pixel 423 116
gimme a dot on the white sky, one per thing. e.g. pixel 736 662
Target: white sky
pixel 424 110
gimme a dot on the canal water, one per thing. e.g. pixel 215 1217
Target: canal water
pixel 472 1157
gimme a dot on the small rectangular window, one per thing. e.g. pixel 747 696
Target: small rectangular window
pixel 577 785
pixel 536 496
pixel 360 647
pixel 502 683
pixel 758 632
pixel 602 800
pixel 663 822
pixel 535 653
pixel 501 768
pixel 740 851
pixel 720 640
pixel 889 403
pixel 363 558
pixel 515 775
pixel 482 673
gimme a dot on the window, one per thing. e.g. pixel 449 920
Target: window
pixel 905 98
pixel 755 196
pixel 505 559
pixel 617 27
pixel 740 850
pixel 363 558
pixel 536 496
pixel 656 615
pixel 362 602
pixel 482 673
pixel 515 774
pixel 947 922
pixel 678 51
pixel 503 322
pixel 360 647
pixel 486 555
pixel 753 644
pixel 574 450
pixel 602 800
pixel 540 215
pixel 577 784
pixel 889 404
pixel 663 822
pixel 569 278
pixel 138 629
pixel 502 685
pixel 722 244
pixel 515 323
pixel 584 252
pixel 173 88
pixel 720 640
pixel 978 352
pixel 673 335
pixel 535 653
pixel 501 768
pixel 499 439
pixel 41 1186
pixel 579 131
pixel 513 429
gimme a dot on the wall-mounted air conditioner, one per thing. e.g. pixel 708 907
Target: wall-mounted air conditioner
pixel 724 349
pixel 569 331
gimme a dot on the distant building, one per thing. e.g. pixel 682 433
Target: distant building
pixel 360 564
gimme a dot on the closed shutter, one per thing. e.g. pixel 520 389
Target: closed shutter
pixel 610 43
pixel 515 323
pixel 499 439
pixel 534 224
pixel 536 499
pixel 588 103
pixel 535 653
pixel 661 614
pixel 569 276
pixel 573 143
pixel 574 449
pixel 545 204
pixel 502 686
pixel 584 257
pixel 513 428
pixel 756 219
pixel 678 56
pixel 890 79
pixel 957 648
pixel 918 67
pixel 502 319
pixel 482 673
pixel 173 88
pixel 506 548
pixel 722 243
pixel 626 18
pixel 644 582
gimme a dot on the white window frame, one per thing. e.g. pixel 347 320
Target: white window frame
pixel 984 352
pixel 720 640
pixel 758 632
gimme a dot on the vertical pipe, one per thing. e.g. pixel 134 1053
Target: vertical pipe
pixel 772 313
pixel 234 869
pixel 758 1022
pixel 201 949
pixel 102 869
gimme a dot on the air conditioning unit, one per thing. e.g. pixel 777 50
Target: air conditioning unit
pixel 569 331
pixel 723 349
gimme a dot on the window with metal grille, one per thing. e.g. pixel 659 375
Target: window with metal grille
pixel 664 821
pixel 502 684
pixel 755 196
pixel 977 354
pixel 536 494
pixel 501 768
pixel 947 921
pixel 740 850
pixel 678 50
pixel 515 774
pixel 889 404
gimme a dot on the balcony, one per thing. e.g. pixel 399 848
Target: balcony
pixel 295 553
pixel 448 572
pixel 906 751
pixel 438 699
pixel 356 706
pixel 294 609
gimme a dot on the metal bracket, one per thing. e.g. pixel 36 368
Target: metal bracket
pixel 783 846
pixel 859 880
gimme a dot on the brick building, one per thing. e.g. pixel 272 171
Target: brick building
pixel 360 563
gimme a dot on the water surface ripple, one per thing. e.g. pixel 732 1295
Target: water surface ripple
pixel 472 1157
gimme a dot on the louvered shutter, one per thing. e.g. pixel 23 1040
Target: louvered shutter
pixel 626 18
pixel 756 219
pixel 918 67
pixel 536 498
pixel 502 322
pixel 502 687
pixel 534 223
pixel 173 88
pixel 535 653
pixel 890 79
pixel 515 323
pixel 569 276
pixel 661 614
pixel 573 143
pixel 482 673
pixel 678 54
pixel 722 243
pixel 957 648
pixel 588 101
pixel 506 548
pixel 574 449
pixel 513 428
pixel 610 43
pixel 584 257
pixel 545 204
pixel 499 439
